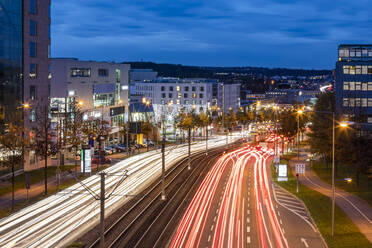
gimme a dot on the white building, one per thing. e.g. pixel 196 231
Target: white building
pixel 169 96
pixel 101 87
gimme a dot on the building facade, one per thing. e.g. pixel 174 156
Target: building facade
pixel 24 62
pixel 354 84
pixel 170 96
pixel 100 89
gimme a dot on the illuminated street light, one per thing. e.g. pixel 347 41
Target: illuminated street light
pixel 344 124
pixel 81 103
pixel 26 106
pixel 300 111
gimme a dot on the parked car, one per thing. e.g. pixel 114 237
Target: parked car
pixel 118 148
pixel 100 160
pixel 109 150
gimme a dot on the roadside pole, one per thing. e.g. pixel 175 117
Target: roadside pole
pixel 189 141
pixel 206 141
pixel 102 198
pixel 163 197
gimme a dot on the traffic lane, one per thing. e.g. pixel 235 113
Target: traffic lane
pixel 295 220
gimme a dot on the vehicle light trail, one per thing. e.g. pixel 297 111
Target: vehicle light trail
pixel 59 219
pixel 228 229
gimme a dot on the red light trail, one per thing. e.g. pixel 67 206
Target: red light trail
pixel 228 225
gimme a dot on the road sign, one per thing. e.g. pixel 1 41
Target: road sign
pixel 282 172
pixel 300 168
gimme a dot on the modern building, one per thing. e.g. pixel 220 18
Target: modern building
pixel 170 96
pixel 291 96
pixel 100 88
pixel 354 84
pixel 24 61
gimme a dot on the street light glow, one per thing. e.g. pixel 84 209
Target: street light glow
pixel 344 124
pixel 300 111
pixel 26 105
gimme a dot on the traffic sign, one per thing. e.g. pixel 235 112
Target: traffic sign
pixel 300 168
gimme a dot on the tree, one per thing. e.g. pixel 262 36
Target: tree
pixel 43 143
pixel 74 132
pixel 12 143
pixel 146 128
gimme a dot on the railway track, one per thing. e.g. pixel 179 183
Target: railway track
pixel 135 227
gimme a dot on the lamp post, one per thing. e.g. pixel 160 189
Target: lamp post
pixel 342 125
pixel 299 112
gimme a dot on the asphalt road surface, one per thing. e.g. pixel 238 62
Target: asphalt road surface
pixel 237 205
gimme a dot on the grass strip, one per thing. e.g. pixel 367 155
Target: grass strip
pixel 346 234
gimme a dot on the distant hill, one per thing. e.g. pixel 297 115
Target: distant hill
pixel 182 71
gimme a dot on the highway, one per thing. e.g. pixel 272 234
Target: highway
pixel 61 218
pixel 237 206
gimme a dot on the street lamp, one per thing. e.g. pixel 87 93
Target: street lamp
pixel 299 112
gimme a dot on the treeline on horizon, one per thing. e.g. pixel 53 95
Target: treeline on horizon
pixel 183 71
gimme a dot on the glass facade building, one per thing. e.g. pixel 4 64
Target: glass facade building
pixel 11 54
pixel 354 84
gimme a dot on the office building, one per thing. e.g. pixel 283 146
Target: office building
pixel 101 88
pixel 354 84
pixel 24 62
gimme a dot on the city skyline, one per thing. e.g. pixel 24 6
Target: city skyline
pixel 293 34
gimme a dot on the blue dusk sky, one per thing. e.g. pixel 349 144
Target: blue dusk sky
pixel 269 33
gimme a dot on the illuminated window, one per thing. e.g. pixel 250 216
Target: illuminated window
pixel 178 101
pixel 364 86
pixel 357 102
pixel 194 95
pixel 364 102
pixel 33 71
pixel 352 86
pixel 345 102
pixel 370 86
pixel 358 86
pixel 369 102
pixel 178 88
pixel 343 53
pixel 179 95
pixel 80 72
pixel 364 69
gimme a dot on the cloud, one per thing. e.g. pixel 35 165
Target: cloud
pixel 218 32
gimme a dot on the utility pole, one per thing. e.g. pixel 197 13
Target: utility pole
pixel 102 199
pixel 333 173
pixel 189 141
pixel 128 127
pixel 298 137
pixel 206 140
pixel 163 196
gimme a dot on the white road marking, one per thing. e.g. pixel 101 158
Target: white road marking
pixel 280 220
pixel 248 211
pixel 278 213
pixel 209 238
pixel 212 227
pixel 214 220
pixel 248 229
pixel 248 240
pixel 305 243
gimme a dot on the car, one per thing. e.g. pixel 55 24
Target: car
pixel 109 150
pixel 100 160
pixel 119 148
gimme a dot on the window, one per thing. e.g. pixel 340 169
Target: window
pixel 358 69
pixel 352 53
pixel 369 53
pixel 170 95
pixel 370 86
pixel 186 101
pixel 346 86
pixel 32 115
pixel 33 71
pixel 351 102
pixel 185 95
pixel 364 86
pixel 32 92
pixel 358 53
pixel 179 95
pixel 343 53
pixel 170 88
pixel 163 102
pixel 202 89
pixel 200 95
pixel 345 102
pixel 369 119
pixel 186 88
pixel 369 69
pixel 178 101
pixel 118 75
pixel 358 86
pixel 346 69
pixel 364 102
pixel 193 88
pixel 32 49
pixel 352 86
pixel 163 95
pixel 103 72
pixel 369 102
pixel 193 102
pixel 162 88
pixel 194 95
pixel 33 6
pixel 351 69
pixel 32 28
pixel 364 69
pixel 201 102
pixel 80 72
pixel 357 102
pixel 178 88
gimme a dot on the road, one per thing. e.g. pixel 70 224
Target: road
pixel 357 209
pixel 237 206
pixel 61 218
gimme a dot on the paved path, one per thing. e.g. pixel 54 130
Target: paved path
pixel 356 208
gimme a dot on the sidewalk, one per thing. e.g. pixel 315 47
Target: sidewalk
pixel 357 209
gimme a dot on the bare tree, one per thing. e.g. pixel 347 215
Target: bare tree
pixel 43 143
pixel 12 143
